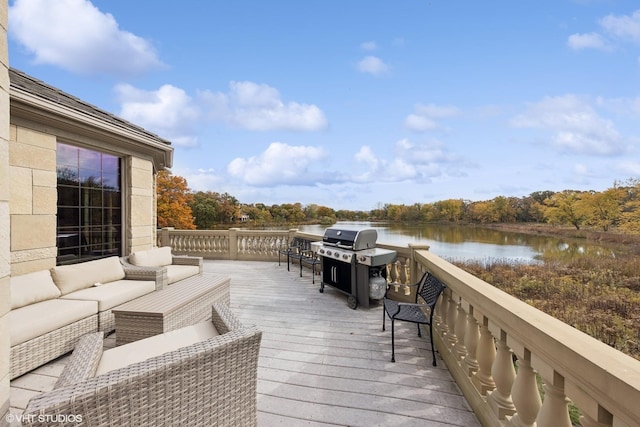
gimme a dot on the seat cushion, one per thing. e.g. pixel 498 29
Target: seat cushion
pixel 109 295
pixel 179 272
pixel 32 288
pixel 34 320
pixel 156 257
pixel 156 345
pixel 71 278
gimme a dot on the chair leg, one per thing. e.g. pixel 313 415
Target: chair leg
pixel 419 331
pixel 288 263
pixel 433 351
pixel 300 262
pixel 393 344
pixel 383 316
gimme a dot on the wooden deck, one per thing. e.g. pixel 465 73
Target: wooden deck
pixel 321 363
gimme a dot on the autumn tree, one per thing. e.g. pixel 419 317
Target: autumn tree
pixel 564 208
pixel 602 209
pixel 205 210
pixel 174 197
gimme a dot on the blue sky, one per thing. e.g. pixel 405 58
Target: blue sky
pixel 353 104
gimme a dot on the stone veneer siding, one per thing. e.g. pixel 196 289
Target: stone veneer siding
pixel 33 195
pixel 4 215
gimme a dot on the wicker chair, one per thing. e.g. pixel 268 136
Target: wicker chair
pixel 429 289
pixel 209 383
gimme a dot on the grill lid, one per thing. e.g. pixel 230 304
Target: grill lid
pixel 354 240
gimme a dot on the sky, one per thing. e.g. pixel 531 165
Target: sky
pixel 356 104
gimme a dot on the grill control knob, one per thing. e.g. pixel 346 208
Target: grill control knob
pixel 321 251
pixel 345 256
pixel 337 255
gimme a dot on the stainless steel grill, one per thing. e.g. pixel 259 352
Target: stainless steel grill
pixel 350 261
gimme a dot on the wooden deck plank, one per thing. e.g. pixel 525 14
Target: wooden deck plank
pixel 322 363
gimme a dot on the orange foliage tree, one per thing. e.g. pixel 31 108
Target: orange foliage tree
pixel 174 197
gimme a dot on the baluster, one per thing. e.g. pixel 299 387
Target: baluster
pixel 461 329
pixel 452 317
pixel 441 312
pixel 525 394
pixel 486 354
pixel 471 338
pixel 555 406
pixel 504 375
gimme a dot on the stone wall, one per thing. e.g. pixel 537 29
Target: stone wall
pixel 4 215
pixel 33 195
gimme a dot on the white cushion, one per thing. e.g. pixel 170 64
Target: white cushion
pixel 31 321
pixel 31 288
pixel 156 257
pixel 111 294
pixel 137 351
pixel 70 278
pixel 179 272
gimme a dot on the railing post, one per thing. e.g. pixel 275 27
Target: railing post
pixel 504 375
pixel 555 406
pixel 413 262
pixel 486 354
pixel 525 394
pixel 165 239
pixel 233 243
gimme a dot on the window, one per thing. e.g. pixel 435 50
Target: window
pixel 89 204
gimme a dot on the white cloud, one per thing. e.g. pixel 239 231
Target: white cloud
pixel 258 107
pixel 369 45
pixel 587 41
pixel 77 36
pixel 373 65
pixel 168 111
pixel 416 162
pixel 279 164
pixel 424 118
pixel 575 125
pixel 623 28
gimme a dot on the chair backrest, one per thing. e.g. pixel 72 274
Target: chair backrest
pixel 430 289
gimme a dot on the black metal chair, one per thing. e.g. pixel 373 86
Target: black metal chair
pixel 291 250
pixel 311 259
pixel 429 289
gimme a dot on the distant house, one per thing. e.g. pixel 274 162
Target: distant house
pixel 81 180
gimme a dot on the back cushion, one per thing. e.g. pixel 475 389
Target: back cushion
pixel 31 288
pixel 71 278
pixel 156 257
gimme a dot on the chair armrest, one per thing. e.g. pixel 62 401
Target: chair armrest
pixel 223 318
pixel 188 260
pixel 155 274
pixel 83 361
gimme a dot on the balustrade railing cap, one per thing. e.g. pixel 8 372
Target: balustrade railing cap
pixel 418 246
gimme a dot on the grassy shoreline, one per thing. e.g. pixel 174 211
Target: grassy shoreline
pixel 597 295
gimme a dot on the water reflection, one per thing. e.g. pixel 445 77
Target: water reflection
pixel 454 242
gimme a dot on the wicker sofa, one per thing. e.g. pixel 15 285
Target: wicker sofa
pixel 162 266
pixel 201 375
pixel 52 309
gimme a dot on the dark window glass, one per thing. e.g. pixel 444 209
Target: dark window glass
pixel 89 204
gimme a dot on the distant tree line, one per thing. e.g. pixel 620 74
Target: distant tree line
pixel 617 207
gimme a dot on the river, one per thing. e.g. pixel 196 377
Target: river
pixel 465 243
